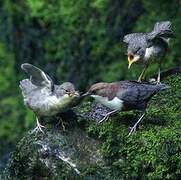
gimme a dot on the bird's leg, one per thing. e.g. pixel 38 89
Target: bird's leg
pixel 106 117
pixel 39 126
pixel 133 129
pixel 62 123
pixel 142 74
pixel 158 77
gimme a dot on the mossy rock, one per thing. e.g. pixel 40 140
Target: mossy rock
pixel 88 150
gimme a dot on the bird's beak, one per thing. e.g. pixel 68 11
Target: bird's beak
pixel 132 59
pixel 76 94
pixel 86 94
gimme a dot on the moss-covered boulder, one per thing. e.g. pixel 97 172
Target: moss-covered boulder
pixel 89 150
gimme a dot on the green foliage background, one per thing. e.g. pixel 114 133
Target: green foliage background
pixel 78 41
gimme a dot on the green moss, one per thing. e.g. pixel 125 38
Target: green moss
pixel 77 41
pixel 153 151
pixel 105 151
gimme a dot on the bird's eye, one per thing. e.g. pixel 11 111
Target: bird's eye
pixel 137 50
pixel 66 91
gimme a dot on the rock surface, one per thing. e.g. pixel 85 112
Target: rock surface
pixel 88 150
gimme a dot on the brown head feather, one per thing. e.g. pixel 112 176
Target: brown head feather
pixel 105 89
pixel 97 86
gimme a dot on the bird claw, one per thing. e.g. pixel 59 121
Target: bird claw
pixel 133 129
pixel 152 80
pixel 105 118
pixel 37 129
pixel 62 123
pixel 63 126
pixel 139 80
pixel 39 126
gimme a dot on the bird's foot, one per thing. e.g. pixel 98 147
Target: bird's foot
pixel 152 81
pixel 40 127
pixel 62 123
pixel 37 129
pixel 139 80
pixel 158 77
pixel 132 130
pixel 105 118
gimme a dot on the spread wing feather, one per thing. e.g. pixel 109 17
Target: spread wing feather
pixel 37 76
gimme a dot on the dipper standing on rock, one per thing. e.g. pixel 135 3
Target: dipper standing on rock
pixel 43 97
pixel 145 48
pixel 124 96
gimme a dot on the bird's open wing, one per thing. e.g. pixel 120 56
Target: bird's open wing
pixel 37 76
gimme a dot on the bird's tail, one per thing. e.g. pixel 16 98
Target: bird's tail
pixel 26 87
pixel 162 29
pixel 161 87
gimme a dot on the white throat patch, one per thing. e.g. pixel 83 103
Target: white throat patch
pixel 149 53
pixel 114 104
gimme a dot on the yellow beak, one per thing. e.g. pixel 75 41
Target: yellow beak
pixel 75 94
pixel 132 59
pixel 130 62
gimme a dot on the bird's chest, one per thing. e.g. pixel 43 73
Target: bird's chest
pixel 153 53
pixel 52 105
pixel 115 104
pixel 48 106
pixel 149 53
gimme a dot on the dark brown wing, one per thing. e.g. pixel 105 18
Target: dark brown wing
pixel 136 95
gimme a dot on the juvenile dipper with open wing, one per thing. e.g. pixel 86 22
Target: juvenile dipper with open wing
pixel 124 96
pixel 145 48
pixel 42 96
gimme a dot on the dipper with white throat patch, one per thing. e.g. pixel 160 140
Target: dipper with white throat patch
pixel 42 96
pixel 124 96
